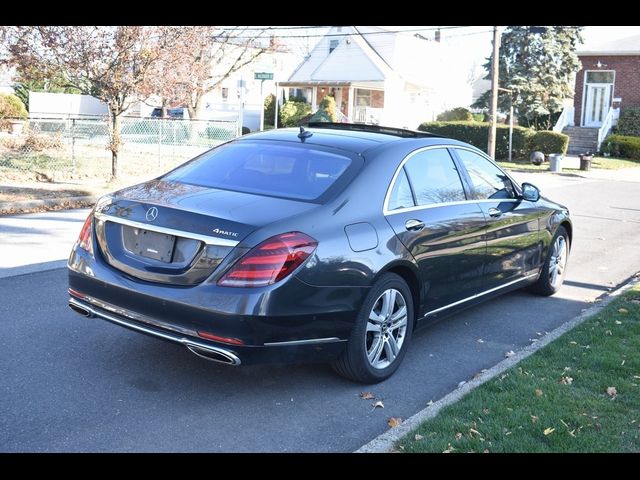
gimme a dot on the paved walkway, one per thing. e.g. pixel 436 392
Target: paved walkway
pixel 37 241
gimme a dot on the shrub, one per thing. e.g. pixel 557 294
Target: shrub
pixel 457 114
pixel 292 112
pixel 477 134
pixel 326 111
pixel 547 142
pixel 479 117
pixel 11 107
pixel 270 110
pixel 629 122
pixel 622 146
pixel 37 142
pixel 245 130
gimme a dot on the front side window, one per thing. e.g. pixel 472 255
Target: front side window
pixel 487 180
pixel 434 177
pixel 295 172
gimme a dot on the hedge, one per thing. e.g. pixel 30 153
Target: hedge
pixel 477 133
pixel 622 146
pixel 456 114
pixel 292 112
pixel 629 122
pixel 547 142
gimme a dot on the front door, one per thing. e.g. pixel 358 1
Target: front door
pixel 514 246
pixel 597 103
pixel 429 211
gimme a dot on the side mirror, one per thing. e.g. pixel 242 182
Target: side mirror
pixel 530 192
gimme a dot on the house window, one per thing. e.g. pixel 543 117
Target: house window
pixel 225 93
pixel 332 45
pixel 600 76
pixel 363 98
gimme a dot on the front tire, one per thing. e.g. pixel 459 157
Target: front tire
pixel 555 265
pixel 381 336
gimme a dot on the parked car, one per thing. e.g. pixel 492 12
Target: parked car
pixel 331 243
pixel 181 113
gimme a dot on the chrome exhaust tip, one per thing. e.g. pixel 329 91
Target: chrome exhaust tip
pixel 81 310
pixel 214 354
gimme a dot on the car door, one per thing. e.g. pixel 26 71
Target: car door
pixel 513 245
pixel 428 209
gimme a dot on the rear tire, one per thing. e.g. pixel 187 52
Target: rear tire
pixel 382 333
pixel 555 265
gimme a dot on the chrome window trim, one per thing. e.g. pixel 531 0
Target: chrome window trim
pixel 387 197
pixel 478 295
pixel 221 242
pixel 304 342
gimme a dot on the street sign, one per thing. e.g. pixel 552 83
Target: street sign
pixel 263 76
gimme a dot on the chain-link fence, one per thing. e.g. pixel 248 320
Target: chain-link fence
pixel 78 147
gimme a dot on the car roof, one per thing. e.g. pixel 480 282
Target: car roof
pixel 351 137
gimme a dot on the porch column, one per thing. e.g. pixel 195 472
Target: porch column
pixel 314 98
pixel 351 104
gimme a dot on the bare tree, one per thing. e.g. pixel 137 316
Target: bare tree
pixel 109 63
pixel 207 55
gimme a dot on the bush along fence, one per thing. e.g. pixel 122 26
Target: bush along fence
pixel 525 140
pixel 79 146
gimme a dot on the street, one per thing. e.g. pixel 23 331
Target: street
pixel 73 384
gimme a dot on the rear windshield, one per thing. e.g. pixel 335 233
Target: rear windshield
pixel 294 172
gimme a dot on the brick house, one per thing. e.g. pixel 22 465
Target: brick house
pixel 608 81
pixel 380 77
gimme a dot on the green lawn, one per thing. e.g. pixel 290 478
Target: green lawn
pixel 580 393
pixel 598 163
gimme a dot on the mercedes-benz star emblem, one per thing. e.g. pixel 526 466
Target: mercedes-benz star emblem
pixel 152 214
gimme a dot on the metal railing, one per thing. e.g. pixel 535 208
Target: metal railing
pixel 605 128
pixel 367 115
pixel 565 119
pixel 79 146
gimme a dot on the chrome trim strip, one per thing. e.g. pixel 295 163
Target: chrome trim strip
pixel 446 204
pixel 304 342
pixel 386 211
pixel 173 338
pixel 222 242
pixel 477 295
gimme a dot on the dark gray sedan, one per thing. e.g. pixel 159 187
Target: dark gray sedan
pixel 331 243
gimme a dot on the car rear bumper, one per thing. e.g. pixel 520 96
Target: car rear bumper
pixel 284 323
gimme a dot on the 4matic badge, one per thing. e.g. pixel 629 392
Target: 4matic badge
pixel 219 231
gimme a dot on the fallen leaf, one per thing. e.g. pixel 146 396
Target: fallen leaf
pixel 608 332
pixel 618 322
pixel 623 310
pixel 612 392
pixel 623 362
pixel 566 380
pixel 474 431
pixel 534 419
pixel 480 340
pixel 510 353
pixel 418 437
pixel 394 422
pixel 549 431
pixel 429 403
pixel 485 411
pixel 538 392
pixel 634 301
pixel 637 376
pixel 367 395
pixel 539 334
pixel 572 342
pixel 377 404
pixel 461 383
pixel 564 423
pixel 449 449
pixel 486 451
pixel 458 436
pixel 572 433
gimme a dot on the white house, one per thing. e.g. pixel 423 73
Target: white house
pixel 381 77
pixel 6 80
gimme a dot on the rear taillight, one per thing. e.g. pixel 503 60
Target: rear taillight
pixel 84 239
pixel 270 261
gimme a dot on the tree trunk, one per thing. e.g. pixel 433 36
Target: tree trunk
pixel 115 142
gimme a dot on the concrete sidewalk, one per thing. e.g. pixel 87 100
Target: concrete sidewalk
pixel 38 241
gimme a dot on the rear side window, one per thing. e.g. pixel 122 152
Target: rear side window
pixel 434 177
pixel 488 180
pixel 401 196
pixel 293 172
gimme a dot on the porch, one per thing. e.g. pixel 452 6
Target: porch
pixel 356 102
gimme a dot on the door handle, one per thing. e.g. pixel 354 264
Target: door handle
pixel 414 225
pixel 494 212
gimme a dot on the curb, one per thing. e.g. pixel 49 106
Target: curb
pixel 384 442
pixel 10 207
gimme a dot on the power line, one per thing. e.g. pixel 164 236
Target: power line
pixel 384 32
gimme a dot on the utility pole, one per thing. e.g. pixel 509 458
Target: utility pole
pixel 491 145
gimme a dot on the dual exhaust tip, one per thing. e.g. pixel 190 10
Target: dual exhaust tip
pixel 208 353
